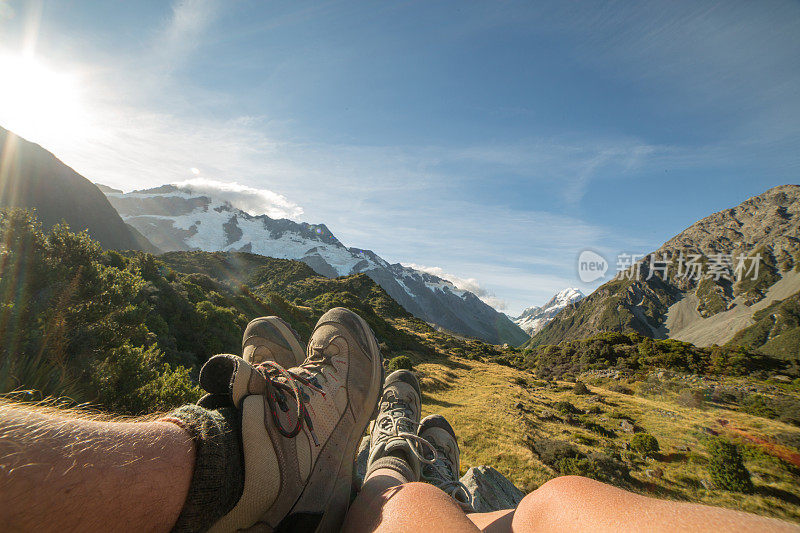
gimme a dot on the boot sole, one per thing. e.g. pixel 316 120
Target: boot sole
pixel 335 509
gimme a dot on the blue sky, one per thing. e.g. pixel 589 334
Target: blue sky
pixel 491 140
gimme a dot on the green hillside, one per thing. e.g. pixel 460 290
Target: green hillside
pixel 128 333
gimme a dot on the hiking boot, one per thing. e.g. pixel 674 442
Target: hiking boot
pixel 272 338
pixel 394 443
pixel 443 471
pixel 301 426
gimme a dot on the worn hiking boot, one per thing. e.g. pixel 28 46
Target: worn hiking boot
pixel 301 426
pixel 394 443
pixel 272 338
pixel 443 471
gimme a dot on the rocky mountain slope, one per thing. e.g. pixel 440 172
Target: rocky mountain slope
pixel 179 219
pixel 711 308
pixel 33 178
pixel 533 319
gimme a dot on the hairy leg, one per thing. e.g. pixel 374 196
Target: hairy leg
pixel 573 503
pixel 61 472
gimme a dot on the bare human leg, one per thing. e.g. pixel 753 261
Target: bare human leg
pixel 573 503
pixel 568 503
pixel 61 472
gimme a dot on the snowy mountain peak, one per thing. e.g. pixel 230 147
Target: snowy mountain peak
pixel 178 218
pixel 535 318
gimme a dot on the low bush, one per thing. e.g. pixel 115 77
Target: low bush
pixel 691 398
pixel 620 388
pixel 565 407
pixel 580 388
pixel 401 362
pixel 726 467
pixel 596 466
pixel 585 440
pixel 645 444
pixel 551 451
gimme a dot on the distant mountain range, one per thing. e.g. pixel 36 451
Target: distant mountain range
pixel 732 302
pixel 180 219
pixel 533 319
pixel 33 178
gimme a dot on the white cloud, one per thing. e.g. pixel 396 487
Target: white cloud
pixel 465 284
pixel 183 32
pixel 248 199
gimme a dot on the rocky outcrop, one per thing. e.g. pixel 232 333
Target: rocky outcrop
pixel 490 490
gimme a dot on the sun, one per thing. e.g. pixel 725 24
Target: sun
pixel 39 103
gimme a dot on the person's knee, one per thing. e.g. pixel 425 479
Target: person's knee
pixel 553 495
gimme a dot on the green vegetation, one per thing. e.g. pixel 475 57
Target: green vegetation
pixel 645 444
pixel 580 388
pixel 128 332
pixel 768 273
pixel 633 352
pixel 776 329
pixel 726 467
pixel 713 295
pixel 401 362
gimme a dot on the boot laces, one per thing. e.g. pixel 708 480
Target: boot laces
pixel 439 472
pixel 395 423
pixel 285 381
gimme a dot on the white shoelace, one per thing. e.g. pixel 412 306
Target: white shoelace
pixel 442 479
pixel 388 425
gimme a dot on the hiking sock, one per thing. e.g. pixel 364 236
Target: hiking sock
pixel 393 462
pixel 218 478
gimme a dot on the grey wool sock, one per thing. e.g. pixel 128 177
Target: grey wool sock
pixel 395 463
pixel 218 479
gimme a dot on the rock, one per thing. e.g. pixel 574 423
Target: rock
pixel 781 378
pixel 707 484
pixel 654 473
pixel 490 490
pixel 681 448
pixel 519 406
pixel 626 426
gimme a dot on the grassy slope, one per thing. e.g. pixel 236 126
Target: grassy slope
pixel 480 400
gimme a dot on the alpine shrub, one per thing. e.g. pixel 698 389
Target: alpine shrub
pixel 645 444
pixel 401 362
pixel 726 468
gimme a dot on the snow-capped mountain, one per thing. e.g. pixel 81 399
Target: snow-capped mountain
pixel 535 318
pixel 177 218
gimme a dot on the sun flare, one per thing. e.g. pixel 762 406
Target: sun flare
pixel 37 102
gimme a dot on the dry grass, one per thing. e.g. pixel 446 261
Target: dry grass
pixel 494 410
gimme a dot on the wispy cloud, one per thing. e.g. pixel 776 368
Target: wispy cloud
pixel 467 284
pixel 248 199
pixel 183 32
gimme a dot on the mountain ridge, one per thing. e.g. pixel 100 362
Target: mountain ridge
pixel 34 178
pixel 764 229
pixel 179 219
pixel 533 319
